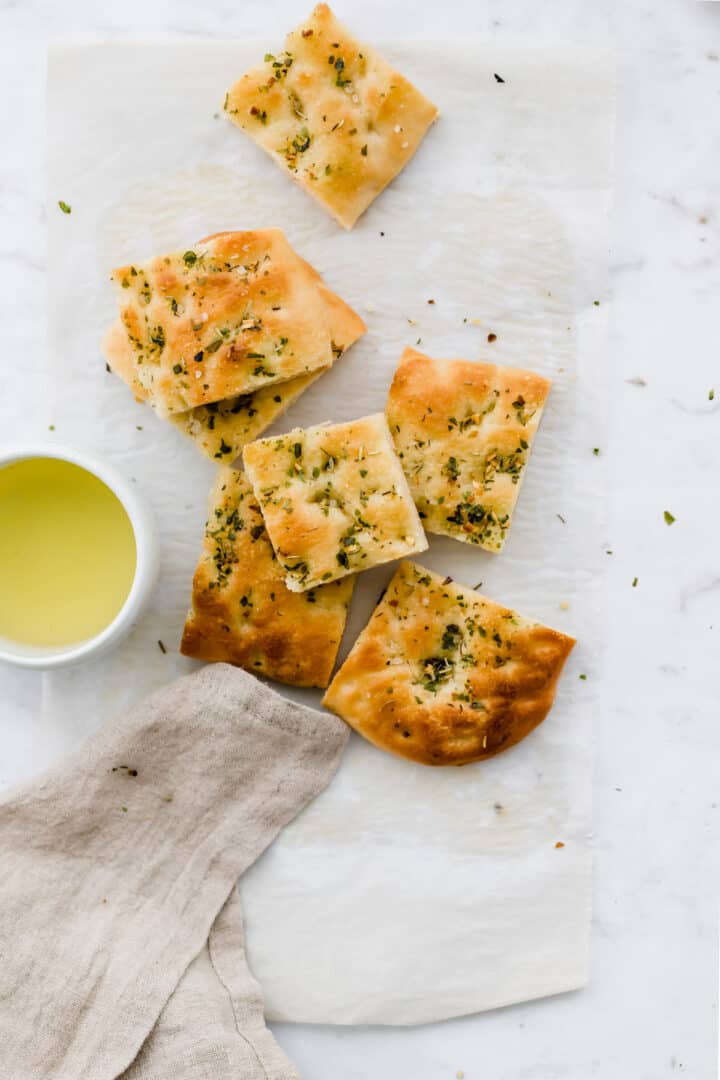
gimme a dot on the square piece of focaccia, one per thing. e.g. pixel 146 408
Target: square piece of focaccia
pixel 243 614
pixel 333 113
pixel 237 312
pixel 445 676
pixel 221 428
pixel 463 432
pixel 334 499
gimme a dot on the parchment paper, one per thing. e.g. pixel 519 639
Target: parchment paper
pixel 403 894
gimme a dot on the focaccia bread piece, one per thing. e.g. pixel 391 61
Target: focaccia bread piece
pixel 445 676
pixel 242 612
pixel 333 113
pixel 237 312
pixel 334 499
pixel 463 431
pixel 221 428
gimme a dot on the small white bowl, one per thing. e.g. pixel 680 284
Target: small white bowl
pixel 146 566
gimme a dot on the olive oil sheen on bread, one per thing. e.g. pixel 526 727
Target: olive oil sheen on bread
pixel 67 553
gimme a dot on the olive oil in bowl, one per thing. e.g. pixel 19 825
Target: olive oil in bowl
pixel 67 553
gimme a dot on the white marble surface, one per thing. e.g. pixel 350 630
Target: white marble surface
pixel 651 1009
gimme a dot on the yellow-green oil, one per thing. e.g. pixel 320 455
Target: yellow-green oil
pixel 67 553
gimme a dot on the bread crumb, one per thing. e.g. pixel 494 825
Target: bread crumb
pixel 563 605
pixel 559 844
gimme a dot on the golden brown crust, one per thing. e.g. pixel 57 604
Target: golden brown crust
pixel 445 676
pixel 334 499
pixel 237 312
pixel 333 113
pixel 463 431
pixel 243 614
pixel 223 428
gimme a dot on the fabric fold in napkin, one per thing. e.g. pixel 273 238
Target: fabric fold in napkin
pixel 121 941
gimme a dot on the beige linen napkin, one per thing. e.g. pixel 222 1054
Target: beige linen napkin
pixel 121 942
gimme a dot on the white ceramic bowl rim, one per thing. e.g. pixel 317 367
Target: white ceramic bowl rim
pixel 145 566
